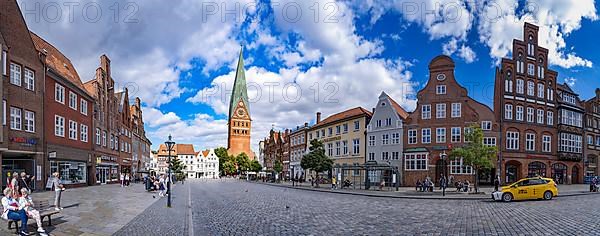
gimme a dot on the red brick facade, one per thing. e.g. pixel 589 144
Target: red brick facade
pixel 592 135
pixel 525 102
pixel 444 113
pixel 68 118
pixel 22 139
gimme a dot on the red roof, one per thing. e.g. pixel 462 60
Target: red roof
pixel 401 112
pixel 357 111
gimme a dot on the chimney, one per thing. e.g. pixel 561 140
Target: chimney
pixel 305 124
pixel 598 92
pixel 138 102
pixel 373 110
pixel 318 117
pixel 105 64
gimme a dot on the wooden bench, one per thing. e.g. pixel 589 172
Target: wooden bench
pixel 45 209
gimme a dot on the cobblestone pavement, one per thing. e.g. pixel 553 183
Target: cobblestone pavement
pixel 94 210
pixel 241 208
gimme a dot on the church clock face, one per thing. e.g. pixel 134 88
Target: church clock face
pixel 241 112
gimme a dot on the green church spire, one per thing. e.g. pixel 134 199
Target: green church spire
pixel 239 87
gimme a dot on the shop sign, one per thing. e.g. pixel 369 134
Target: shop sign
pixel 24 141
pixel 332 139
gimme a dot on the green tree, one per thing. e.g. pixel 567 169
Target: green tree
pixel 316 160
pixel 255 166
pixel 242 162
pixel 228 168
pixel 177 167
pixel 474 153
pixel 277 167
pixel 221 153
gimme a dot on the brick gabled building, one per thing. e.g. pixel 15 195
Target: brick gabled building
pixel 298 148
pixel 444 114
pixel 592 133
pixel 68 118
pixel 123 133
pixel 106 122
pixel 139 142
pixel 22 90
pixel 525 105
pixel 570 137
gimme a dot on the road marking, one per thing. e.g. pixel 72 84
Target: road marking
pixel 191 218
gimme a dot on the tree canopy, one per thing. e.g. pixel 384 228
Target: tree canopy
pixel 316 159
pixel 277 166
pixel 475 153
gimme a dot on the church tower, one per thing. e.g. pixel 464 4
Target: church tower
pixel 240 123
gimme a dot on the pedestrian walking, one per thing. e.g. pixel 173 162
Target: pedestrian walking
pixel 127 179
pixel 27 204
pixel 496 183
pixel 58 189
pixel 333 182
pixel 122 180
pixel 11 210
pixel 381 185
pixel 24 182
pixel 15 183
pixel 161 186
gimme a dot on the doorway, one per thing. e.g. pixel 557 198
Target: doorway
pixel 102 175
pixel 440 169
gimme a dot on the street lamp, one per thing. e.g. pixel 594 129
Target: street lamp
pixel 169 145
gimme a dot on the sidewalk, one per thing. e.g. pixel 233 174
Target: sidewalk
pixel 93 210
pixel 410 193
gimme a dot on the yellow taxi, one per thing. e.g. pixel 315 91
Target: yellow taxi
pixel 528 188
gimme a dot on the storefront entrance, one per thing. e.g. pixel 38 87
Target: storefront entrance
pixel 536 169
pixel 17 165
pixel 102 174
pixel 512 172
pixel 559 173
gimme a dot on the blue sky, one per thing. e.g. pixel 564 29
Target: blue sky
pixel 179 56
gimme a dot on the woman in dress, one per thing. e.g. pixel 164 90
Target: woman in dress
pixel 26 204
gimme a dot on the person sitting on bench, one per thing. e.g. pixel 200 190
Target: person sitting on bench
pixel 26 204
pixel 11 211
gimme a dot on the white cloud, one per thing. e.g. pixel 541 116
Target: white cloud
pixel 499 23
pixel 466 53
pixel 570 81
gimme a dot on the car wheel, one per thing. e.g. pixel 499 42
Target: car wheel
pixel 547 195
pixel 507 197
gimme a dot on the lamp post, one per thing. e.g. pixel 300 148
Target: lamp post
pixel 169 145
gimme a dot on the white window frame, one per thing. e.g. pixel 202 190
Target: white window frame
pixel 29 121
pixel 512 140
pixel 29 79
pixel 84 107
pixel 508 111
pixel 426 135
pixel 550 118
pixel 486 125
pixel 426 112
pixel 457 167
pixel 416 161
pixel 519 113
pixel 385 139
pixel 440 135
pixel 73 130
pixel 440 89
pixel 59 126
pixel 530 114
pixel 59 93
pixel 440 110
pixel 72 100
pixel 84 133
pixel 412 136
pixel 489 141
pixel 455 135
pixel 546 143
pixel 520 86
pixel 530 142
pixel 16 74
pixel 16 121
pixel 541 89
pixel 530 88
pixel 371 140
pixel 456 110
pixel 98 137
pixel 540 116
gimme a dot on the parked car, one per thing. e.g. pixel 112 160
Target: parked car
pixel 526 189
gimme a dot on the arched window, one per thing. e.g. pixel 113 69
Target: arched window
pixel 550 91
pixel 520 64
pixel 559 173
pixel 508 83
pixel 541 68
pixel 530 47
pixel 536 169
